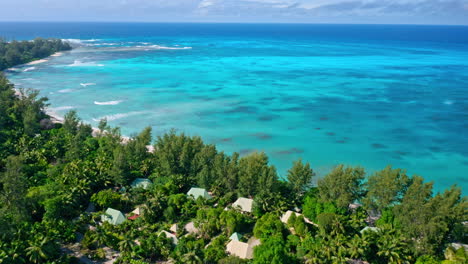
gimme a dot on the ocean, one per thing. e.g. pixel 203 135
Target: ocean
pixel 369 95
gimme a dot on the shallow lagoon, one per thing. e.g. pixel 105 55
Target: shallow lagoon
pixel 368 95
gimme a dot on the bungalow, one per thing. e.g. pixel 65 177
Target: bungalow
pixel 190 228
pixel 174 228
pixel 174 239
pixel 241 249
pixel 244 204
pixel 199 192
pixel 235 236
pixel 113 216
pixel 141 183
pixel 135 214
pixel 285 217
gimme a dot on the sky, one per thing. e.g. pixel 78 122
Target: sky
pixel 454 12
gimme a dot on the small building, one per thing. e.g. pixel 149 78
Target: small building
pixel 198 192
pixel 113 216
pixel 174 239
pixel 135 214
pixel 190 228
pixel 174 228
pixel 241 249
pixel 141 183
pixel 235 236
pixel 244 204
pixel 369 229
pixel 285 217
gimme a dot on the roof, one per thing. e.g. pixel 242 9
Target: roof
pixel 171 236
pixel 141 183
pixel 174 228
pixel 235 236
pixel 241 249
pixel 199 192
pixel 133 217
pixel 113 216
pixel 244 204
pixel 190 228
pixel 369 228
pixel 285 217
pixel 137 211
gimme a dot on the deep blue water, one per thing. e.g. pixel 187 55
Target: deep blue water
pixel 356 94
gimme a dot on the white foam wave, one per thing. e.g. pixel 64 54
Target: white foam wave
pixel 61 108
pixel 87 84
pixel 29 69
pixel 119 116
pixel 158 47
pixel 65 91
pixel 78 63
pixel 108 102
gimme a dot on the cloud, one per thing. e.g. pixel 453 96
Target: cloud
pixel 338 11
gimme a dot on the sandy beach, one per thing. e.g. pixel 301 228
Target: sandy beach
pixel 36 62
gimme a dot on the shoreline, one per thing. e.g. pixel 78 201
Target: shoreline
pixel 35 62
pixel 57 119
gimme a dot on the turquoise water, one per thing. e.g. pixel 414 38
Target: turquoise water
pixel 358 95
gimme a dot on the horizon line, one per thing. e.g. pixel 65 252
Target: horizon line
pixel 228 22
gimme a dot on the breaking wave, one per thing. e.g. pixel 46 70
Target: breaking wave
pixel 108 103
pixel 119 116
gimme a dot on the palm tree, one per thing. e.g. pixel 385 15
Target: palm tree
pixel 355 247
pixel 391 246
pixel 126 246
pixel 100 237
pixel 36 251
pixel 191 258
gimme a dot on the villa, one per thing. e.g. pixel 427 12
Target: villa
pixel 199 192
pixel 244 204
pixel 141 183
pixel 113 216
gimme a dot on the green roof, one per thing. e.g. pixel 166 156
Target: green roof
pixel 113 216
pixel 369 229
pixel 235 236
pixel 141 183
pixel 199 192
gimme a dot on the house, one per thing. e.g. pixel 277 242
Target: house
pixel 135 214
pixel 241 249
pixel 369 229
pixel 141 183
pixel 174 228
pixel 244 204
pixel 174 239
pixel 190 228
pixel 198 192
pixel 235 236
pixel 285 217
pixel 113 216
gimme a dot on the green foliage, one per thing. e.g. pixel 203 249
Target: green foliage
pixel 107 198
pixel 267 226
pixel 300 177
pixel 312 207
pixel 255 175
pixel 272 250
pixel 341 186
pixel 385 188
pixel 20 52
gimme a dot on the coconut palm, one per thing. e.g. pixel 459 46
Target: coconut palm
pixel 191 258
pixel 37 250
pixel 126 245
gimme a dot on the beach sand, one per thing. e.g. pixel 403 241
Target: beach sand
pixel 36 62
